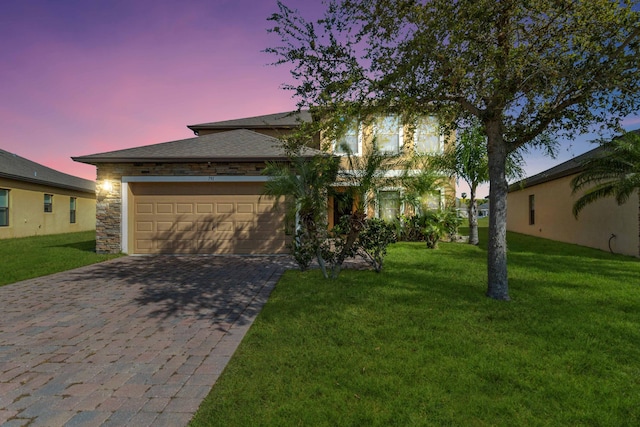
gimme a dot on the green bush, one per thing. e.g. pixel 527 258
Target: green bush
pixel 373 241
pixel 429 227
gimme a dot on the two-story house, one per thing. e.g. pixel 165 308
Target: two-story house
pixel 205 194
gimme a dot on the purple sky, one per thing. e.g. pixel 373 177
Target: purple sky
pixel 81 77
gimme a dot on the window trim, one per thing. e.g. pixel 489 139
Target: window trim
pixel 400 127
pixel 398 190
pixel 358 131
pixel 48 205
pixel 440 137
pixel 6 209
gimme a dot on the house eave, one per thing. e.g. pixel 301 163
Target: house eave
pixel 46 183
pixel 102 160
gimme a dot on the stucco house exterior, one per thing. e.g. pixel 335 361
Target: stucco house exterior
pixel 205 194
pixel 37 200
pixel 541 206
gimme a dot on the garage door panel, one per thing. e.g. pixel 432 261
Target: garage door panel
pixel 144 244
pixel 184 208
pixel 204 208
pixel 185 226
pixel 164 208
pixel 205 226
pixel 224 226
pixel 144 225
pixel 144 208
pixel 268 209
pixel 205 218
pixel 225 208
pixel 247 208
pixel 164 226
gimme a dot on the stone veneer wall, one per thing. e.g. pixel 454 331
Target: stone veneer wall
pixel 109 204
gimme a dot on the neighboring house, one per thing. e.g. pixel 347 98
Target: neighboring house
pixel 542 206
pixel 483 210
pixel 35 199
pixel 205 194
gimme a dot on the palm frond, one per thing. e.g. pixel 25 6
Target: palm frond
pixel 614 173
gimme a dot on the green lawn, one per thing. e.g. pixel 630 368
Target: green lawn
pixel 29 257
pixel 419 344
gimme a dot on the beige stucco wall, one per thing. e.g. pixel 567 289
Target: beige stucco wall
pixel 554 219
pixel 27 216
pixel 407 153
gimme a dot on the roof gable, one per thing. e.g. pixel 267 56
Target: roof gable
pixel 236 145
pixel 286 120
pixel 15 167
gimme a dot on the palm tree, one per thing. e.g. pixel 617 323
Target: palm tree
pixel 305 184
pixel 469 161
pixel 613 172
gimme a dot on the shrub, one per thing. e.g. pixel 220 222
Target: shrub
pixel 374 239
pixel 303 249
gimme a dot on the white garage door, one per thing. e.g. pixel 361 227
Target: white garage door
pixel 212 218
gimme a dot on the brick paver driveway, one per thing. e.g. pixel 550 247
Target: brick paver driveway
pixel 134 341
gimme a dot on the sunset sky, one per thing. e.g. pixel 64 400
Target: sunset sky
pixel 81 77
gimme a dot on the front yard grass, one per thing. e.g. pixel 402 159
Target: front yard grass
pixel 29 257
pixel 420 344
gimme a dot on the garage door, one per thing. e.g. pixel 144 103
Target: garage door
pixel 224 218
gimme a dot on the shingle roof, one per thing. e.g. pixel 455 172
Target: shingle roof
pixel 567 168
pixel 287 120
pixel 237 145
pixel 15 167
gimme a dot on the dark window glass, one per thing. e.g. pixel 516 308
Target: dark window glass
pixel 4 208
pixel 48 202
pixel 72 210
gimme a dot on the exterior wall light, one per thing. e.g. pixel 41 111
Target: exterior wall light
pixel 107 186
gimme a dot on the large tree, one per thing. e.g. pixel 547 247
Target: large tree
pixel 520 67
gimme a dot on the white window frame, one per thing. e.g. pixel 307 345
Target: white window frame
pixel 358 129
pixel 440 138
pixel 398 190
pixel 441 195
pixel 400 127
pixel 50 204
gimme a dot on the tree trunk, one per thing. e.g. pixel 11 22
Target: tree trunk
pixel 472 214
pixel 498 285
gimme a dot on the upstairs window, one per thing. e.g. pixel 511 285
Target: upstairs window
pixel 48 202
pixel 349 143
pixel 72 210
pixel 388 134
pixel 4 207
pixel 426 137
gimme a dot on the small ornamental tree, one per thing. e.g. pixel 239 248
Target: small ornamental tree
pixel 468 161
pixel 521 68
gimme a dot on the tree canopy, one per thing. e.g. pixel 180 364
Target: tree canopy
pixel 522 68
